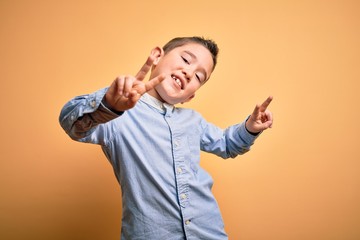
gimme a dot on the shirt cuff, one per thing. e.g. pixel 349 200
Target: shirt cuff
pixel 104 104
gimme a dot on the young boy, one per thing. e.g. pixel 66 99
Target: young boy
pixel 154 147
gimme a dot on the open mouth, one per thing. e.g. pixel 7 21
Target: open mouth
pixel 178 81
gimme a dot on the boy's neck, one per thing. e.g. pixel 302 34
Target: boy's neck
pixel 156 102
pixel 155 94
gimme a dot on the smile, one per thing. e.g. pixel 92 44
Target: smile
pixel 178 81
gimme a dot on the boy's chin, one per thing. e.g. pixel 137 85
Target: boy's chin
pixel 171 101
pixel 168 99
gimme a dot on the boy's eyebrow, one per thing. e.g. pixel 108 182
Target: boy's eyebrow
pixel 194 56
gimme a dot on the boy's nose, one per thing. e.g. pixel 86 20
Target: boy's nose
pixel 188 74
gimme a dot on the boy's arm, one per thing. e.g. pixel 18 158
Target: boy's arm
pixel 237 139
pixel 81 115
pixel 227 143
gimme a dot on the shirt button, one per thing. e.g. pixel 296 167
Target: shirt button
pixel 187 222
pixel 183 196
pixel 179 170
pixel 93 103
pixel 177 143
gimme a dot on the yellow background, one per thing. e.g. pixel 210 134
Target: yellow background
pixel 301 179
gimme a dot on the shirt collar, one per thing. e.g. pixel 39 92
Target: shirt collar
pixel 156 103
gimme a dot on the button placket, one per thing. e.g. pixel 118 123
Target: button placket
pixel 182 186
pixel 180 168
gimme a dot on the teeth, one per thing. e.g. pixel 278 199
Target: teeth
pixel 177 81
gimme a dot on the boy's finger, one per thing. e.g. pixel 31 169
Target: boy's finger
pixel 256 111
pixel 118 85
pixel 270 119
pixel 145 69
pixel 133 98
pixel 153 82
pixel 265 104
pixel 128 84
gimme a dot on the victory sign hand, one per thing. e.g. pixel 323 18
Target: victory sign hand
pixel 126 90
pixel 261 118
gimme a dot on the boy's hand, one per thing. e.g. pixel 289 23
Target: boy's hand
pixel 125 91
pixel 261 118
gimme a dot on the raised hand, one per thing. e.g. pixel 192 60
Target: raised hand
pixel 126 90
pixel 261 118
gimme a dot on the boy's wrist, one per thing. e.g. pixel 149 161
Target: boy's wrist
pixel 251 132
pixel 106 105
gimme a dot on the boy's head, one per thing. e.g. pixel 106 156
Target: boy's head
pixel 187 63
pixel 180 41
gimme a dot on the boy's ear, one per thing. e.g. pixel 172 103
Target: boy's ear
pixel 189 99
pixel 157 53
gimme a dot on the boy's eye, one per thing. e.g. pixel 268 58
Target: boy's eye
pixel 198 78
pixel 185 60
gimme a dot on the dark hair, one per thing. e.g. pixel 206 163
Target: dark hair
pixel 180 41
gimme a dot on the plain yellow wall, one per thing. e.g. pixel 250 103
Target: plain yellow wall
pixel 300 181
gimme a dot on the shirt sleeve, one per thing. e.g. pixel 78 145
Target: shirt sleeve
pixel 226 143
pixel 81 115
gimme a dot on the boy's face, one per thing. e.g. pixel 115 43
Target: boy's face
pixel 186 69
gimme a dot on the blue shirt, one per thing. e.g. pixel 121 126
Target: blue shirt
pixel 154 149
